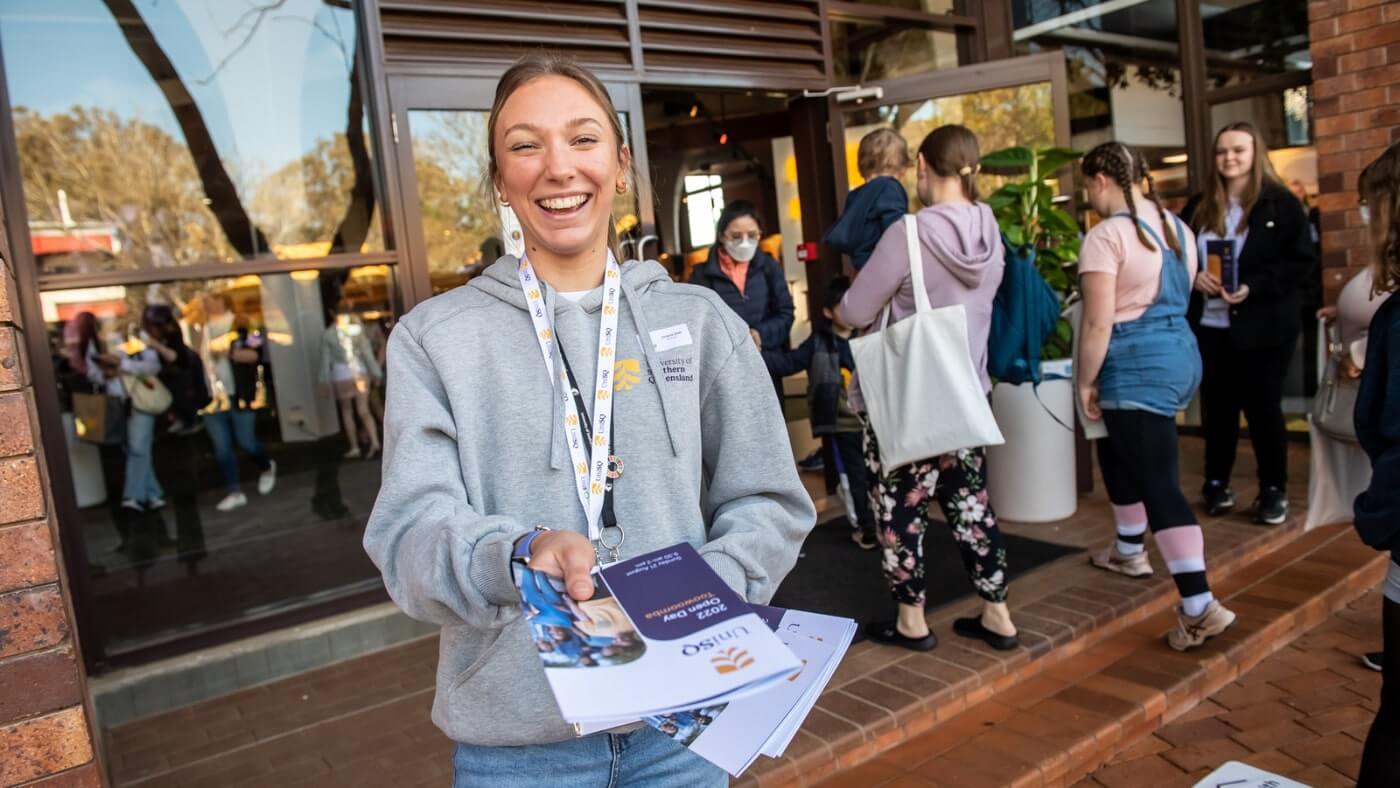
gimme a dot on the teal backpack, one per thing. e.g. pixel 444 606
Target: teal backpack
pixel 1024 314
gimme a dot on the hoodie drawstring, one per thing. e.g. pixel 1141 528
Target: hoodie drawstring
pixel 557 449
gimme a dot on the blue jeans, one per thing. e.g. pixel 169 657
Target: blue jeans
pixel 227 427
pixel 140 485
pixel 642 758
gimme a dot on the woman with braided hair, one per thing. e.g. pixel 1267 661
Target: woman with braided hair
pixel 1138 365
pixel 1247 328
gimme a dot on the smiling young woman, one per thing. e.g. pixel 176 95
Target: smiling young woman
pixel 489 456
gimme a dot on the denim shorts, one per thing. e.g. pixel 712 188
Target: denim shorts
pixel 642 758
pixel 1151 365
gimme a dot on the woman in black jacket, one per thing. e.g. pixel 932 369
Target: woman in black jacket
pixel 747 278
pixel 1377 419
pixel 1247 326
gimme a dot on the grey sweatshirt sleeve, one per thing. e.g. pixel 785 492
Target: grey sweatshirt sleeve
pixel 442 561
pixel 758 510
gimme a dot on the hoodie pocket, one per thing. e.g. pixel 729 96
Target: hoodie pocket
pixel 488 652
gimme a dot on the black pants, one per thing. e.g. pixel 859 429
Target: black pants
pixel 850 447
pixel 1380 760
pixel 1250 381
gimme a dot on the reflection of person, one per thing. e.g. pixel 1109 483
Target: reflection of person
pixel 1247 335
pixel 233 355
pixel 349 368
pixel 141 490
pixel 1378 430
pixel 747 278
pixel 1138 365
pixel 873 206
pixel 962 259
pixel 826 358
pixel 477 453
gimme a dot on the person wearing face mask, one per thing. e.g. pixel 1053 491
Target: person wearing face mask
pixel 1247 324
pixel 749 280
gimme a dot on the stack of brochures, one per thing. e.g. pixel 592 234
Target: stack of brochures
pixel 664 640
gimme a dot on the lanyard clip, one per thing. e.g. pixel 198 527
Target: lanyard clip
pixel 602 544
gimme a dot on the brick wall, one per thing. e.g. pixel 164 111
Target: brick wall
pixel 1356 108
pixel 45 738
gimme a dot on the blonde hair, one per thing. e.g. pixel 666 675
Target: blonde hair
pixel 882 152
pixel 1379 187
pixel 1215 200
pixel 548 64
pixel 952 151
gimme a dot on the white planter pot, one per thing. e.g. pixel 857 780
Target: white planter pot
pixel 1031 477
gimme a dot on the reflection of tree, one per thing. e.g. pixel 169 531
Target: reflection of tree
pixel 310 199
pixel 246 238
pixel 125 172
pixel 456 207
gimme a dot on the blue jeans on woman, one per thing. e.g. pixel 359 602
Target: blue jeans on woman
pixel 141 485
pixel 643 758
pixel 227 427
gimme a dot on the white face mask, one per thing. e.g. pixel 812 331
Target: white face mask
pixel 1365 211
pixel 742 251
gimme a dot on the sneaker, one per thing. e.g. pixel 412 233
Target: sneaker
pixel 864 540
pixel 132 504
pixel 812 462
pixel 353 454
pixel 1271 507
pixel 155 503
pixel 268 478
pixel 1220 499
pixel 1135 565
pixel 232 501
pixel 187 427
pixel 1375 660
pixel 1191 631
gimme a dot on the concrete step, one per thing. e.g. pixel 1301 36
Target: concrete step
pixel 1053 726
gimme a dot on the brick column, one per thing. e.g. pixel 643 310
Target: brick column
pixel 45 737
pixel 1356 108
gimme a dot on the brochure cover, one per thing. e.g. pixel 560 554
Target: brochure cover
pixel 1220 261
pixel 661 634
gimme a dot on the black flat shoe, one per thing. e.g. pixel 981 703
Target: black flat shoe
pixel 972 628
pixel 885 632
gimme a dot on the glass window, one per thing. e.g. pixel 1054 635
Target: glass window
pixel 704 201
pixel 189 131
pixel 876 49
pixel 223 438
pixel 1001 118
pixel 1251 39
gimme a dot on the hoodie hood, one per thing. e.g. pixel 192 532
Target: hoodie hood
pixel 964 238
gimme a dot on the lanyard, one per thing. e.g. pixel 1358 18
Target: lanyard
pixel 588 447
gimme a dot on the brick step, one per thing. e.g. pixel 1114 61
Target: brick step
pixel 1054 727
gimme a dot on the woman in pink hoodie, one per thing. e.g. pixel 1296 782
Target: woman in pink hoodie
pixel 963 264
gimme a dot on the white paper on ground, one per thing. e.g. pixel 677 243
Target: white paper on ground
pixel 1239 775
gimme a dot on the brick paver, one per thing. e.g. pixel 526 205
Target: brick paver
pixel 1276 717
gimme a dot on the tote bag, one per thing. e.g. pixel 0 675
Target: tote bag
pixel 148 394
pixel 922 393
pixel 1335 402
pixel 99 418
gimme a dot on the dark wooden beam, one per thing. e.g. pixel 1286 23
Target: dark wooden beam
pixel 1191 39
pixel 1260 86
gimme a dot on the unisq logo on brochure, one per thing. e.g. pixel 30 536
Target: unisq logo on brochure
pixel 662 634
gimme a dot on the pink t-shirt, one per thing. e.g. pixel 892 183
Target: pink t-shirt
pixel 1112 247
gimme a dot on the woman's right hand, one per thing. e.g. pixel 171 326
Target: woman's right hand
pixel 1089 399
pixel 1327 313
pixel 1207 283
pixel 565 554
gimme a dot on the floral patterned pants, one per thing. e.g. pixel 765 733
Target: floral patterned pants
pixel 901 499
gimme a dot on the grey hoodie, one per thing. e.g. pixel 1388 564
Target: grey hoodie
pixel 963 264
pixel 474 457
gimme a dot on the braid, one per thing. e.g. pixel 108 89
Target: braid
pixel 1168 232
pixel 1123 168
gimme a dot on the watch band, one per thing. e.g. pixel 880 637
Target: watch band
pixel 522 545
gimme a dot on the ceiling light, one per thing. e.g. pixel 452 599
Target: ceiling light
pixel 1175 158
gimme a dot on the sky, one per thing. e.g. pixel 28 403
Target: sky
pixel 267 106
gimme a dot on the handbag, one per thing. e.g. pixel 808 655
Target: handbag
pixel 147 393
pixel 99 418
pixel 922 393
pixel 1335 404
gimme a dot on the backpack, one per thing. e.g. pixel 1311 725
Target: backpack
pixel 1024 314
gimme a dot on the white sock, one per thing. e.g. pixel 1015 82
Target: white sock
pixel 1196 604
pixel 1136 546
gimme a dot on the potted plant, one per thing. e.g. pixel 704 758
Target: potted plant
pixel 1031 478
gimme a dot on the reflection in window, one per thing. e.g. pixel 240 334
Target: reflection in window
pixel 704 201
pixel 1001 118
pixel 174 132
pixel 872 50
pixel 221 436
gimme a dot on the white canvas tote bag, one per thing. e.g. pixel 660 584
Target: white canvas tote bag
pixel 922 393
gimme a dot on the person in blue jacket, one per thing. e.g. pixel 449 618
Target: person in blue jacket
pixel 747 278
pixel 1377 420
pixel 873 206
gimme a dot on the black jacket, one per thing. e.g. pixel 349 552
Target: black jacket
pixel 766 304
pixel 823 355
pixel 1377 420
pixel 1277 255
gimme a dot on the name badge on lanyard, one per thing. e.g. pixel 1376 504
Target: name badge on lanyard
pixel 591 459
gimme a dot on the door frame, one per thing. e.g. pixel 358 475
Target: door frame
pixel 446 92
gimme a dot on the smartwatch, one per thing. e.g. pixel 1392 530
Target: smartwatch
pixel 522 545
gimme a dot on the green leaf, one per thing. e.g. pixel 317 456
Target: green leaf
pixel 1050 160
pixel 1057 220
pixel 1016 234
pixel 1008 161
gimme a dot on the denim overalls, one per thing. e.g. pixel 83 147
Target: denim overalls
pixel 1153 363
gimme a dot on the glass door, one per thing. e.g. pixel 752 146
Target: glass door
pixel 451 230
